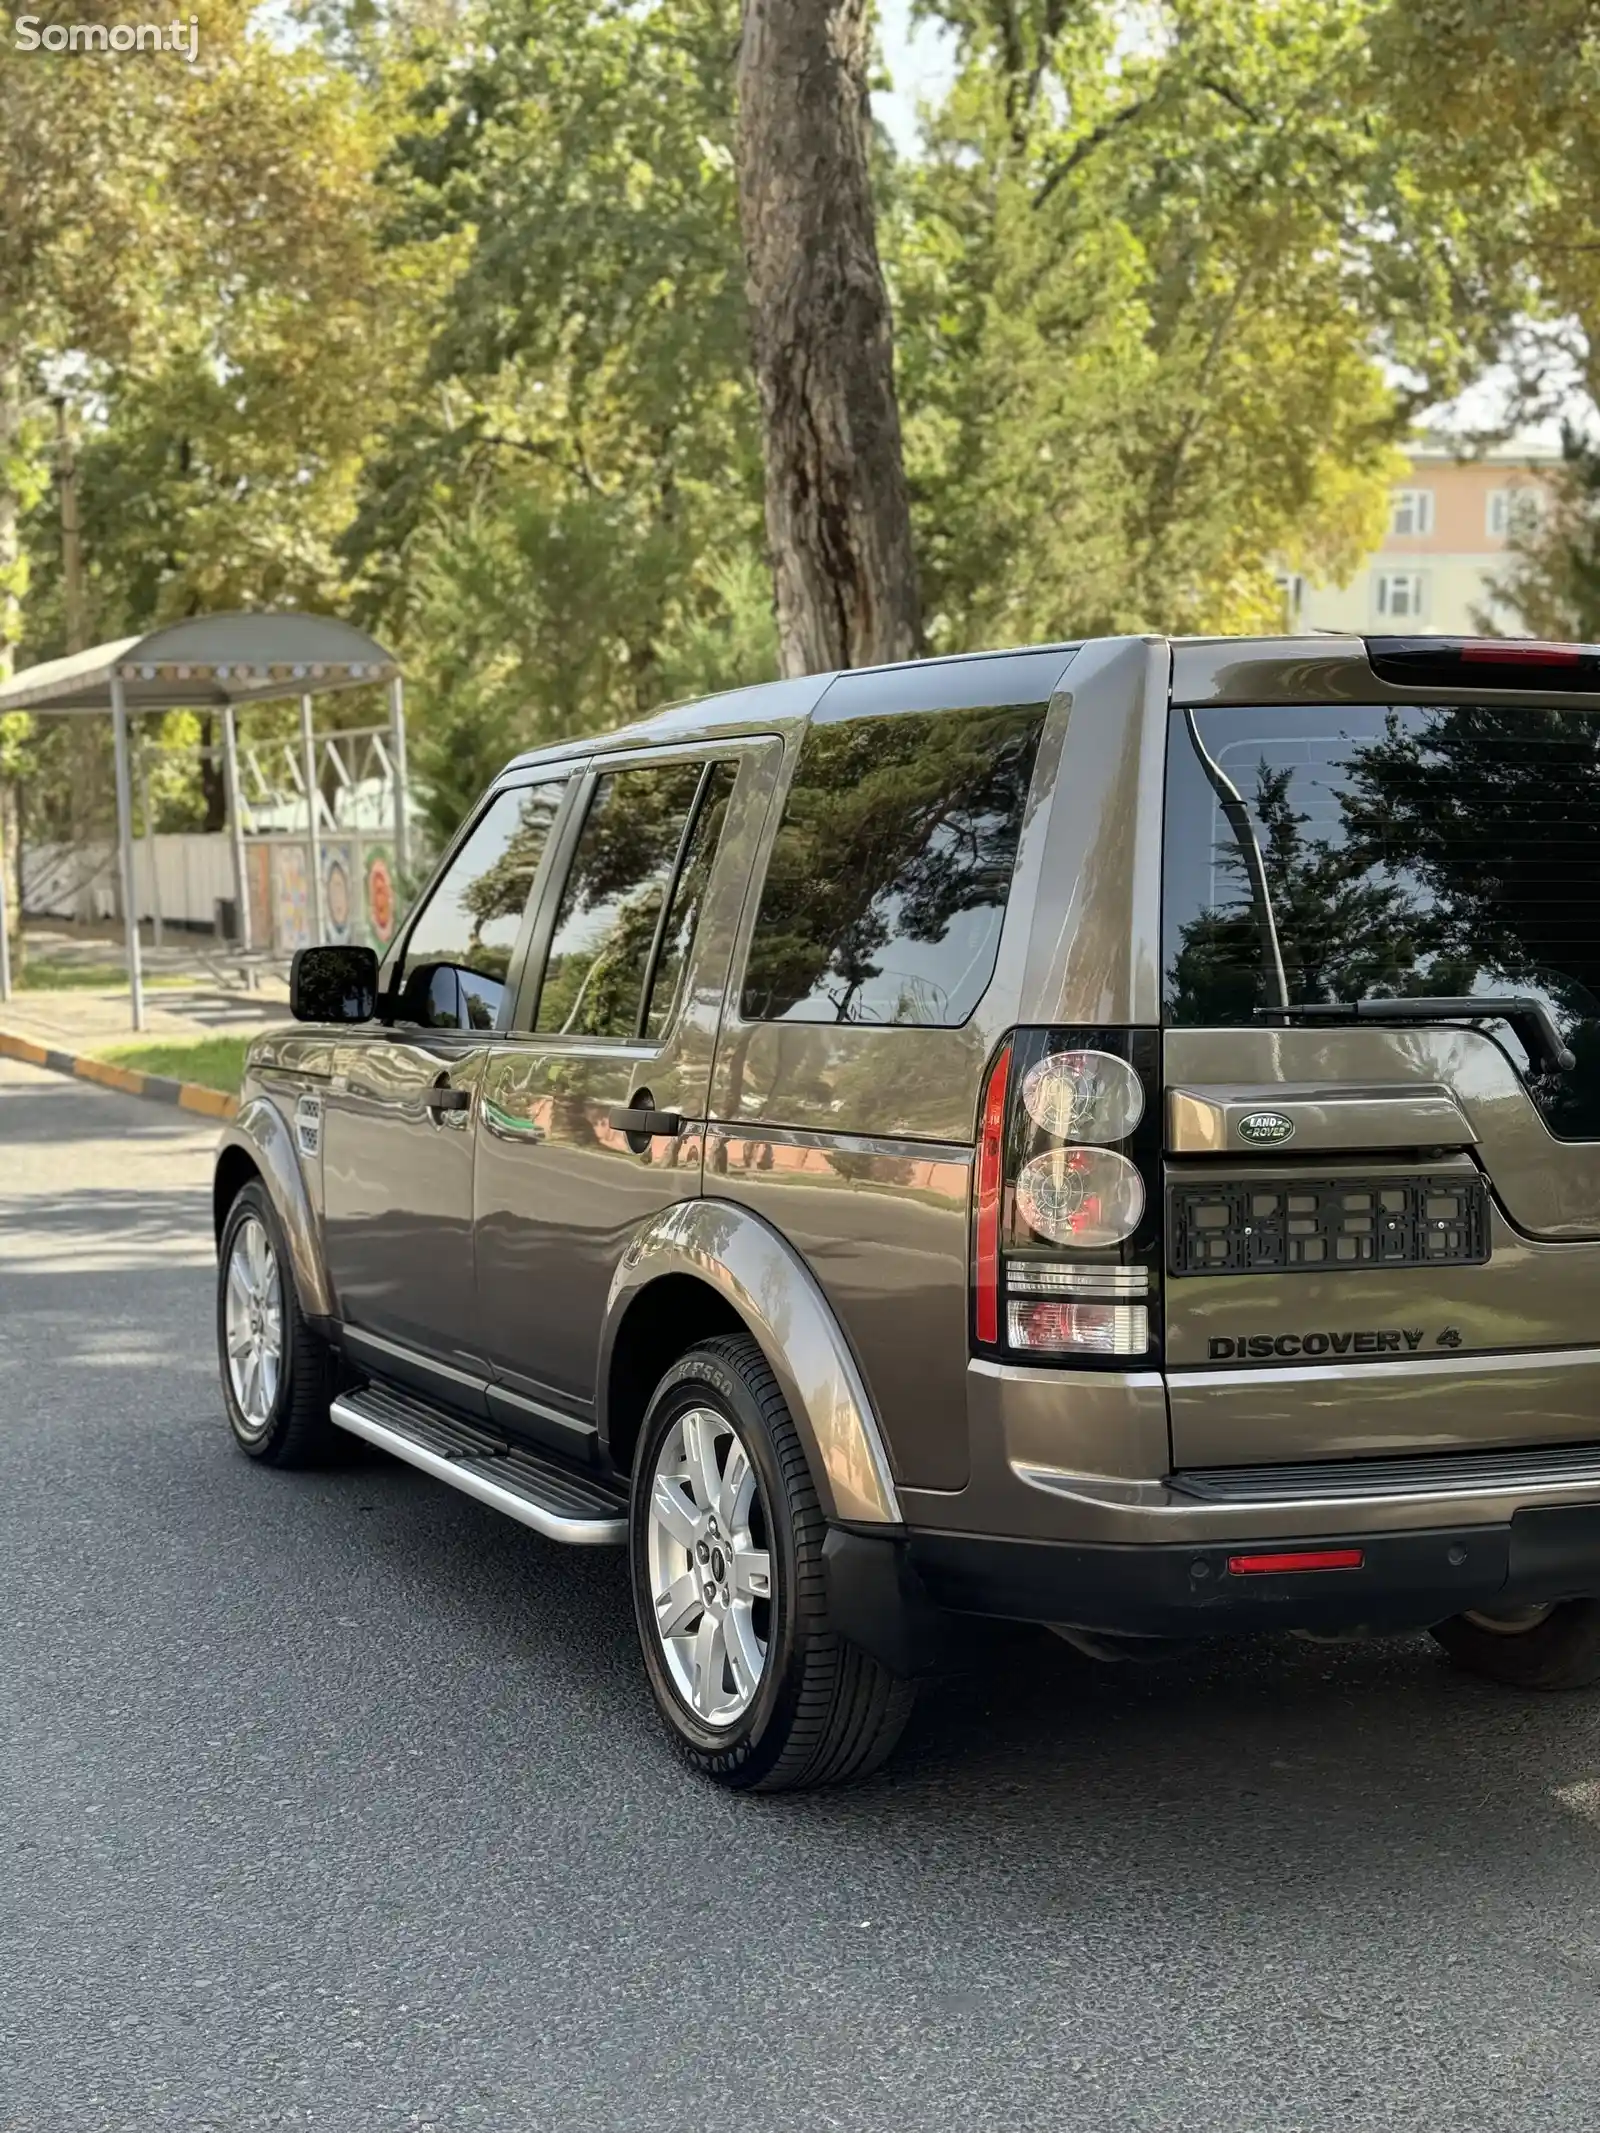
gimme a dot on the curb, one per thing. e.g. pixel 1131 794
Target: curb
pixel 157 1088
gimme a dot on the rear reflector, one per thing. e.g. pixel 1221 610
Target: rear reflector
pixel 1248 1566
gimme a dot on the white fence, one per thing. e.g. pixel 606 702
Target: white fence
pixel 192 872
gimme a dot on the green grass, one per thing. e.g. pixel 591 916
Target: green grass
pixel 214 1062
pixel 49 974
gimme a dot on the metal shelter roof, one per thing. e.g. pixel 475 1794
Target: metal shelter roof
pixel 215 662
pixel 211 660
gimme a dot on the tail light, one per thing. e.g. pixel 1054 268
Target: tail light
pixel 1065 1232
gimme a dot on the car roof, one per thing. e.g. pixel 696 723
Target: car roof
pixel 764 707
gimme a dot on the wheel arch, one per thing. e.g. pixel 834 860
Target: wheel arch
pixel 702 1267
pixel 258 1143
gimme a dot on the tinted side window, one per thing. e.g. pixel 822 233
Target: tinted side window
pixel 889 876
pixel 688 896
pixel 459 950
pixel 606 924
pixel 1403 850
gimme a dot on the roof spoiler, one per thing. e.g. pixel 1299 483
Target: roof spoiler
pixel 1485 662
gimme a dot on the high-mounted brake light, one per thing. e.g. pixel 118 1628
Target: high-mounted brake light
pixel 1510 652
pixel 1450 662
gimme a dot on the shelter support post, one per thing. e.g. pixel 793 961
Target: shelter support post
pixel 308 765
pixel 397 753
pixel 5 925
pixel 230 774
pixel 150 848
pixel 130 910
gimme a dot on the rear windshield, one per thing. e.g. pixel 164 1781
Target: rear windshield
pixel 1402 850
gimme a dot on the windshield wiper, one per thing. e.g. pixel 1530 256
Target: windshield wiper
pixel 1531 1020
pixel 1255 864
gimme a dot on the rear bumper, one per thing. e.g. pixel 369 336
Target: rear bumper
pixel 887 1594
pixel 1403 1580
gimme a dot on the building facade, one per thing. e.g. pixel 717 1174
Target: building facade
pixel 1450 522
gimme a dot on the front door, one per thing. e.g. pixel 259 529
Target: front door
pixel 399 1115
pixel 621 1007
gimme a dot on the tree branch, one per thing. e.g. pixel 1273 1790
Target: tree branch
pixel 1090 142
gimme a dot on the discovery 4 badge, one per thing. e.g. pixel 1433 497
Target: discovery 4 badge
pixel 1267 1129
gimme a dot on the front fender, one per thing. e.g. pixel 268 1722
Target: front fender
pixel 773 1290
pixel 262 1133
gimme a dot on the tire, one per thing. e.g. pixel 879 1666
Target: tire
pixel 1557 1650
pixel 279 1417
pixel 820 1711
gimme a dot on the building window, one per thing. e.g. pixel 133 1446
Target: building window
pixel 1411 511
pixel 1513 511
pixel 1292 585
pixel 1400 595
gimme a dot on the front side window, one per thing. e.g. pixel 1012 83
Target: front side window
pixel 605 930
pixel 888 880
pixel 1385 852
pixel 459 949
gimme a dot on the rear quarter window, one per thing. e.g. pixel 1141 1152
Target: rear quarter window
pixel 888 879
pixel 1398 850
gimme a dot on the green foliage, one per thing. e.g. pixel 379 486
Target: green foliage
pixel 1552 578
pixel 567 530
pixel 212 1062
pixel 435 311
pixel 1145 280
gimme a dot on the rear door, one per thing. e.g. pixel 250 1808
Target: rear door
pixel 1384 1237
pixel 626 979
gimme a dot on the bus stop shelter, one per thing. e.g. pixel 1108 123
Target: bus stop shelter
pixel 212 663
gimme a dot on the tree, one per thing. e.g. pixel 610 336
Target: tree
pixel 564 528
pixel 838 519
pixel 1169 293
pixel 1552 578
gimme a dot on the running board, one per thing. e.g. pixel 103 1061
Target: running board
pixel 579 1509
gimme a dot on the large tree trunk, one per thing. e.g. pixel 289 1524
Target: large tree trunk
pixel 838 522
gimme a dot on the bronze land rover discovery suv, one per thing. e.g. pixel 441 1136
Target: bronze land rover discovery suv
pixel 1105 1135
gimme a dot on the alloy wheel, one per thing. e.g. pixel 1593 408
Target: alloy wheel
pixel 253 1323
pixel 710 1566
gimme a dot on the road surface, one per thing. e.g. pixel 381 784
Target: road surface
pixel 333 1802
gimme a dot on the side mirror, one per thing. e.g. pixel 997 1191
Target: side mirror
pixel 331 984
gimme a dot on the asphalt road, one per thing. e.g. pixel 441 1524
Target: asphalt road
pixel 335 1802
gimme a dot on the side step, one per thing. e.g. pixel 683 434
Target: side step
pixel 580 1509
